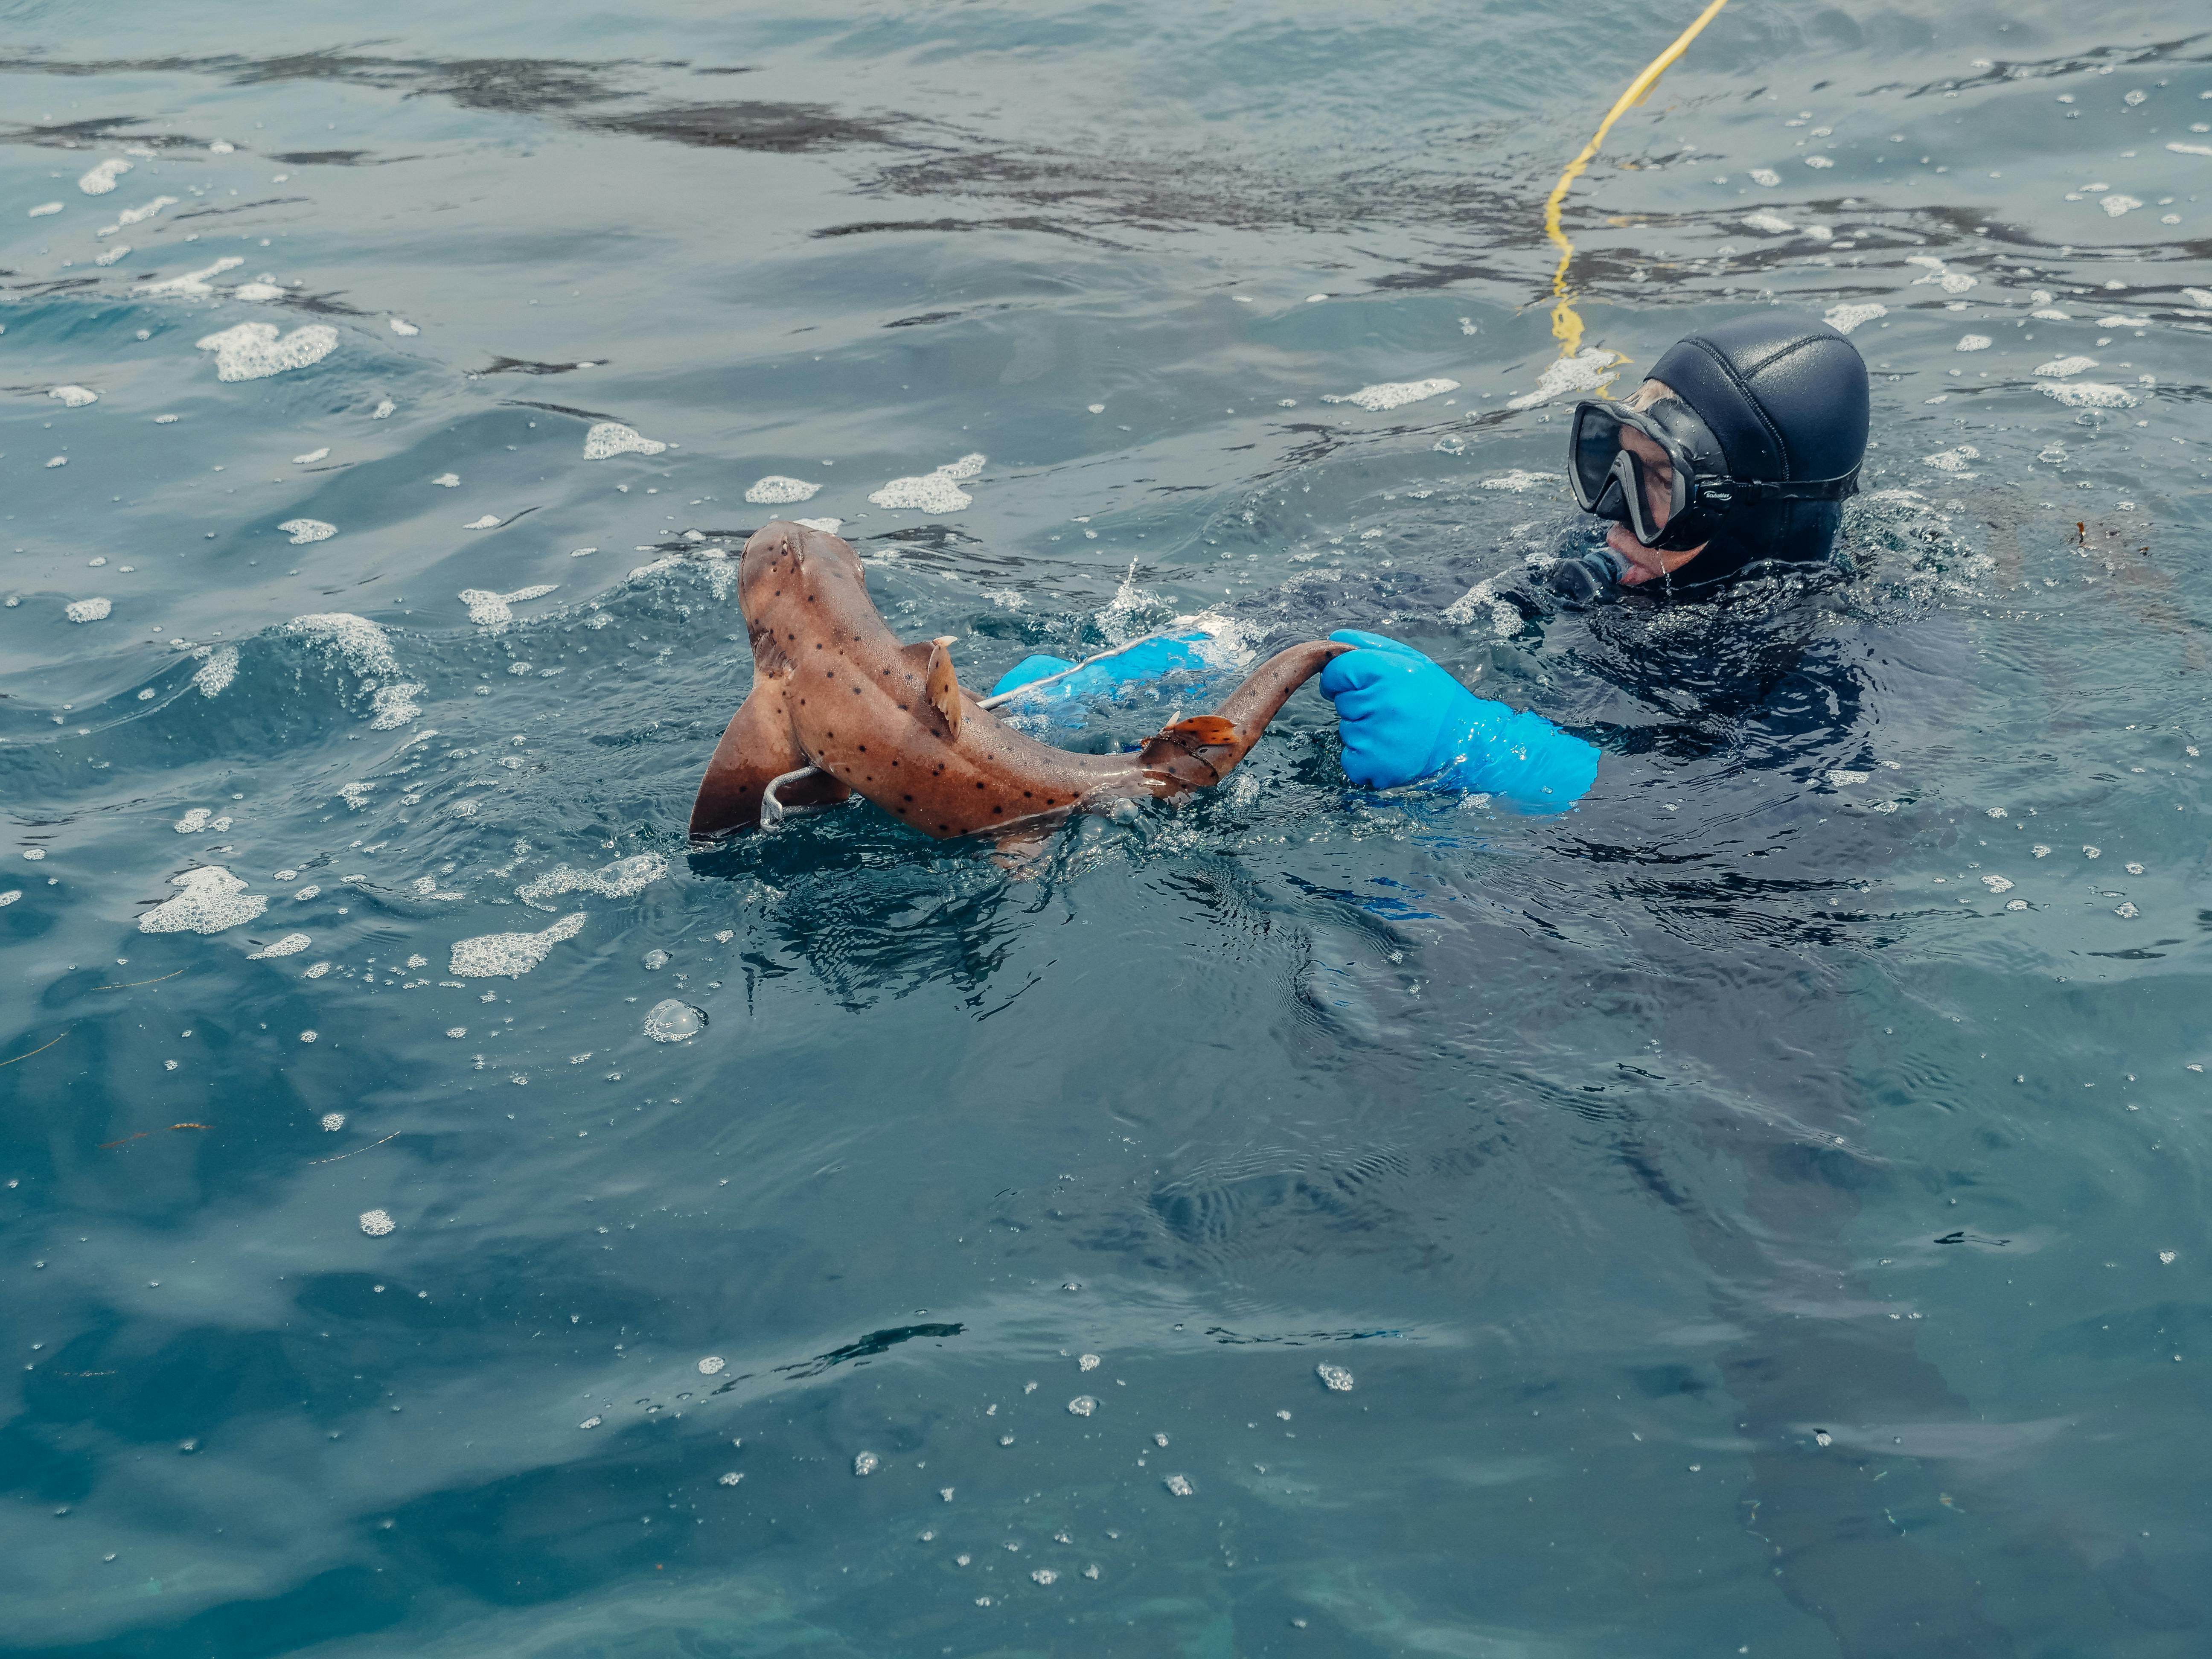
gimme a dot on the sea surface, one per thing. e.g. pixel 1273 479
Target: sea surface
pixel 1762 1211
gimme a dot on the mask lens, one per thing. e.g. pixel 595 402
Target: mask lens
pixel 1596 445
pixel 1629 478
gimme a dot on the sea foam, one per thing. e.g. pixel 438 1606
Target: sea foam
pixel 211 900
pixel 493 955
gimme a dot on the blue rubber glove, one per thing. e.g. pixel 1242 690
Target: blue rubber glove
pixel 1405 720
pixel 1147 659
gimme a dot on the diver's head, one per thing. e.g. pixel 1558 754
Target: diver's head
pixel 1739 449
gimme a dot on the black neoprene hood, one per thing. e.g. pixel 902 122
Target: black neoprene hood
pixel 1785 394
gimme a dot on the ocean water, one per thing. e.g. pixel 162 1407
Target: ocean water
pixel 1762 1211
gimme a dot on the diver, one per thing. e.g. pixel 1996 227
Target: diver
pixel 1735 456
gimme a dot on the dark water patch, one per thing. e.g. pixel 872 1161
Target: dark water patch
pixel 775 129
pixel 336 158
pixel 500 365
pixel 866 1347
pixel 514 85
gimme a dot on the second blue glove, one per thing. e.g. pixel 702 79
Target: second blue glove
pixel 1404 720
pixel 1146 659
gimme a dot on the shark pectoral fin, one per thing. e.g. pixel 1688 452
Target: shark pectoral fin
pixel 943 686
pixel 756 747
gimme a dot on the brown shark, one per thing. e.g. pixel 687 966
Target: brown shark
pixel 839 706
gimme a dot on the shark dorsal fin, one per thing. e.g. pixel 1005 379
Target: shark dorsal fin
pixel 943 686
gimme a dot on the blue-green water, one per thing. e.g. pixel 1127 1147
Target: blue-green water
pixel 1761 1212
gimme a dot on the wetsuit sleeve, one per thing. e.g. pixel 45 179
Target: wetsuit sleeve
pixel 1405 721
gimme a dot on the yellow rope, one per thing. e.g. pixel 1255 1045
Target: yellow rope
pixel 41 1049
pixel 1566 323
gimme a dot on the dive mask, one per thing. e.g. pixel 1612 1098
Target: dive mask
pixel 1611 481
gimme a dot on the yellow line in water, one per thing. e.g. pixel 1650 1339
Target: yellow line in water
pixel 41 1049
pixel 133 984
pixel 356 1152
pixel 1566 322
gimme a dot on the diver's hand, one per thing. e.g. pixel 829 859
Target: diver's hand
pixel 1405 721
pixel 1147 659
pixel 1035 667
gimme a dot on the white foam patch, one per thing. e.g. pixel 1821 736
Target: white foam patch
pixel 490 609
pixel 1953 460
pixel 1391 394
pixel 304 531
pixel 193 821
pixel 43 210
pixel 1773 223
pixel 2198 296
pixel 252 351
pixel 137 215
pixel 931 492
pixel 193 282
pixel 87 610
pixel 214 675
pixel 2114 206
pixel 290 946
pixel 488 521
pixel 101 179
pixel 1951 281
pixel 73 397
pixel 1974 342
pixel 1766 176
pixel 827 526
pixel 404 329
pixel 2089 394
pixel 1481 599
pixel 620 879
pixel 211 900
pixel 448 481
pixel 776 490
pixel 114 255
pixel 367 650
pixel 1845 319
pixel 1520 482
pixel 613 438
pixel 1586 371
pixel 2059 368
pixel 9 898
pixel 383 410
pixel 311 457
pixel 257 291
pixel 2116 321
pixel 510 956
